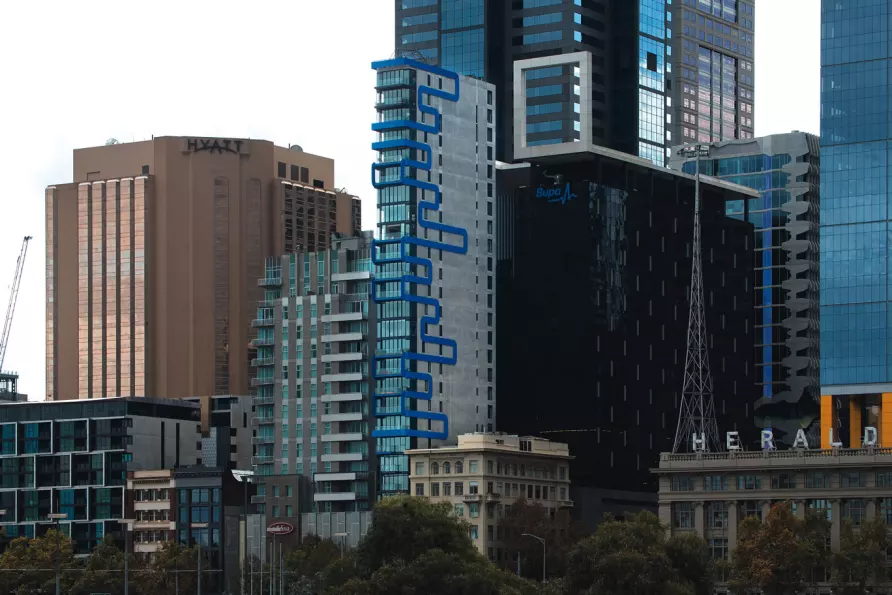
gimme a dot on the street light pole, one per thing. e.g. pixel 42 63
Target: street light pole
pixel 128 524
pixel 58 516
pixel 244 476
pixel 199 526
pixel 543 551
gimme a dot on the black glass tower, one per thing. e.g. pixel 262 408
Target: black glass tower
pixel 594 267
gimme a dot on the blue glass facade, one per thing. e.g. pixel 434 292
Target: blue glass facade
pixel 652 69
pixel 855 149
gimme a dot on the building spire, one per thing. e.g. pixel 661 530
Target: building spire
pixel 697 428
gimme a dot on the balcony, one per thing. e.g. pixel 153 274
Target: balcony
pixel 347 437
pixel 354 276
pixel 351 476
pixel 342 337
pixel 349 356
pixel 343 317
pixel 263 342
pixel 263 440
pixel 258 399
pixel 258 322
pixel 565 504
pixel 270 281
pixel 344 456
pixel 334 497
pixel 259 420
pixel 358 416
pixel 343 377
pixel 262 381
pixel 260 459
pixel 270 303
pixel 493 497
pixel 473 497
pixel 258 499
pixel 263 361
pixel 341 397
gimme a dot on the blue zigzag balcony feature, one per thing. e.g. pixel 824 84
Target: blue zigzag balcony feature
pixel 401 253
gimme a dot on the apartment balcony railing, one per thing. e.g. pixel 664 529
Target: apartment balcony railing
pixel 263 342
pixel 258 322
pixel 262 381
pixel 263 361
pixel 270 281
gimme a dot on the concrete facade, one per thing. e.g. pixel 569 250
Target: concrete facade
pixel 148 252
pixel 711 493
pixel 497 470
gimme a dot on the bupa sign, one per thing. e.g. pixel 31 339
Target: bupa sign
pixel 559 194
pixel 280 528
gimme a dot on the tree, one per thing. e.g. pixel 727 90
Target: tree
pixel 170 565
pixel 27 566
pixel 403 528
pixel 317 563
pixel 633 558
pixel 436 572
pixel 778 555
pixel 104 571
pixel 559 533
pixel 861 556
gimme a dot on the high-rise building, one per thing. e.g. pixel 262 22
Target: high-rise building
pixel 594 272
pixel 312 409
pixel 654 66
pixel 712 62
pixel 856 351
pixel 784 168
pixel 150 253
pixel 434 274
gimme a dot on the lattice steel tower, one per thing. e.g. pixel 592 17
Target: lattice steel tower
pixel 697 427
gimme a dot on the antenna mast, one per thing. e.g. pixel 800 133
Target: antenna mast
pixel 697 428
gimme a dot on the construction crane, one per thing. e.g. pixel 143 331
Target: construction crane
pixel 13 296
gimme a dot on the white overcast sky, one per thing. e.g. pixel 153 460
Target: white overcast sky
pixel 73 74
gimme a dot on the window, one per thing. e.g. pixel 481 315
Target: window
pixel 749 508
pixel 459 488
pixel 852 479
pixel 683 515
pixel 435 468
pixel 855 511
pixel 749 482
pixel 715 483
pixel 447 488
pixel 459 510
pixel 817 479
pixel 474 510
pixel 282 170
pixel 473 487
pixel 783 481
pixel 473 466
pixel 435 489
pixel 717 515
pixel 447 468
pixel 419 489
pixel 419 468
pixel 821 507
pixel 683 483
pixel 459 467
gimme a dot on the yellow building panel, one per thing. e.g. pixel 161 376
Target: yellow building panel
pixel 885 429
pixel 827 420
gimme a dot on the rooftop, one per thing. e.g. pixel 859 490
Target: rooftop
pixel 477 441
pixel 773 459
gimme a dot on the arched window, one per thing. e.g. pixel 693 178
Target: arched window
pixel 435 468
pixel 447 468
pixel 459 468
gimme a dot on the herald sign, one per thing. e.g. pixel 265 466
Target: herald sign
pixel 732 440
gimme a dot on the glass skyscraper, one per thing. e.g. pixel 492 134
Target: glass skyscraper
pixel 856 343
pixel 634 107
pixel 784 168
pixel 433 286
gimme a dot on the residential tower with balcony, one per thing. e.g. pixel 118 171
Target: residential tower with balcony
pixel 312 405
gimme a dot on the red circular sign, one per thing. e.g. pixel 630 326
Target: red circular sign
pixel 280 528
